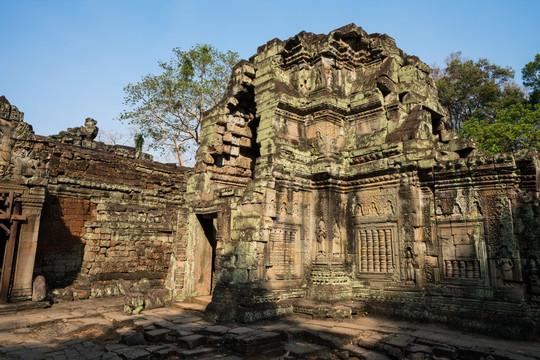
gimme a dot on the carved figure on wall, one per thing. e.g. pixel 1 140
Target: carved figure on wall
pixel 6 129
pixel 321 237
pixel 336 241
pixel 359 210
pixel 410 265
pixel 457 210
pixel 326 144
pixel 319 79
pixel 283 210
pixel 476 209
pixel 389 208
pixel 372 210
pixel 532 276
pixel 272 208
pixel 505 264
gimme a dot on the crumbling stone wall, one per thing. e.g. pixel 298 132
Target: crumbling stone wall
pixel 123 218
pixel 61 244
pixel 110 216
pixel 358 194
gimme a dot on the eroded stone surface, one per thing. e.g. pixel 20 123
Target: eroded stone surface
pixel 36 334
pixel 327 184
pixel 328 174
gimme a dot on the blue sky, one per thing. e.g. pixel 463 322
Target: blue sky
pixel 63 61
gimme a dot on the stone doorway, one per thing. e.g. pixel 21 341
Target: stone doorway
pixel 205 254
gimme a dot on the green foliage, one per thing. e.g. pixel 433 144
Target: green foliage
pixel 531 78
pixel 486 105
pixel 515 127
pixel 475 89
pixel 168 108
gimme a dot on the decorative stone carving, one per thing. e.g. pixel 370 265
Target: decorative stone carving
pixel 321 238
pixel 532 273
pixel 505 266
pixel 336 241
pixel 344 119
pixel 376 250
pixel 410 264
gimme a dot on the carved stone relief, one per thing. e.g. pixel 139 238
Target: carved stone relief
pixel 284 255
pixel 462 247
pixel 376 247
pixel 376 202
pixel 321 237
pixel 337 242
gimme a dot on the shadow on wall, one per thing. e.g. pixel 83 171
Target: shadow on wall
pixel 60 245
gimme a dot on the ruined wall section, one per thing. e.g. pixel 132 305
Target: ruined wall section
pixel 60 247
pixel 109 217
pixel 99 217
pixel 23 174
pixel 360 192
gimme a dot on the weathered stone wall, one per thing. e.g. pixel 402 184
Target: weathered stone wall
pixel 23 176
pixel 110 216
pixel 332 178
pixel 60 242
pixel 120 213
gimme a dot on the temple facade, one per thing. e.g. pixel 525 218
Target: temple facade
pixel 327 183
pixel 328 176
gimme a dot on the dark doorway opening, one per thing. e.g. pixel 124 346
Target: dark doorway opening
pixel 205 254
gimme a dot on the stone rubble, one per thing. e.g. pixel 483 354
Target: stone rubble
pixel 98 329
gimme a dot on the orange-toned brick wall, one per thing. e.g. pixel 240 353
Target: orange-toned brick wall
pixel 61 244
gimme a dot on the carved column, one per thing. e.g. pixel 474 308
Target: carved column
pixel 32 203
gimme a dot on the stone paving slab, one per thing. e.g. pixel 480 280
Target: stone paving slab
pixel 77 331
pixel 303 349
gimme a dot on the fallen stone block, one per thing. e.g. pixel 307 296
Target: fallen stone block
pixel 215 341
pixel 132 353
pixel 257 342
pixel 133 303
pixel 158 335
pixel 417 351
pixel 370 340
pixel 108 356
pixel 191 341
pixel 364 354
pixel 241 330
pixel 216 330
pixel 400 341
pixel 303 350
pixel 166 353
pixel 194 353
pixel 134 338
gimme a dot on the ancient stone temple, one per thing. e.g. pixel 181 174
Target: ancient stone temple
pixel 327 175
pixel 327 183
pixel 92 219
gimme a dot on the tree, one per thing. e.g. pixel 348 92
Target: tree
pixel 515 127
pixel 531 78
pixel 115 137
pixel 168 108
pixel 475 89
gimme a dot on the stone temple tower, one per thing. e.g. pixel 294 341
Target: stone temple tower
pixel 327 175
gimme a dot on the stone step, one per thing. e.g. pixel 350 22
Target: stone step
pixel 201 300
pixel 189 306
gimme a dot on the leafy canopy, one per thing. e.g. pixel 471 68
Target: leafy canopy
pixel 531 78
pixel 475 89
pixel 168 108
pixel 486 105
pixel 515 127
